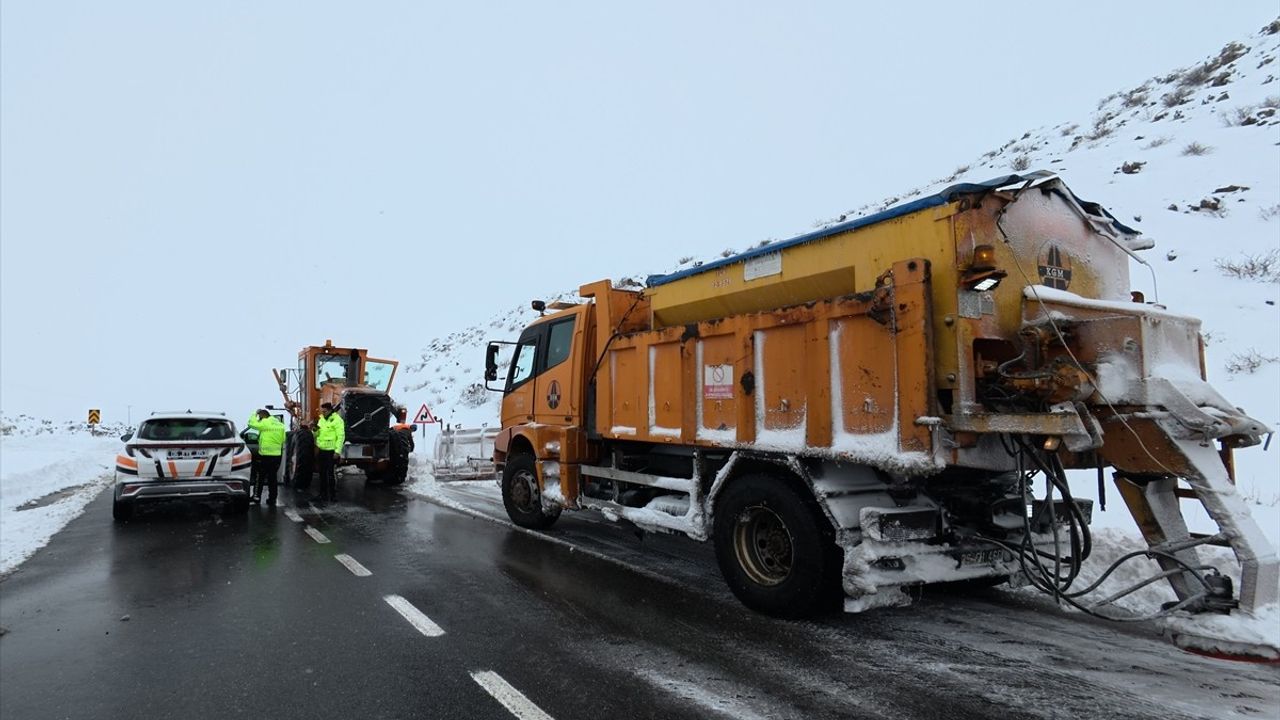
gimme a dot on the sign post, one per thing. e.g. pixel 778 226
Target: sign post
pixel 423 419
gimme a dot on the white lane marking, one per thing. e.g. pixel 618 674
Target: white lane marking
pixel 293 515
pixel 511 698
pixel 317 536
pixel 419 621
pixel 353 565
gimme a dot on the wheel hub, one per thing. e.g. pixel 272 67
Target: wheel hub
pixel 524 491
pixel 763 545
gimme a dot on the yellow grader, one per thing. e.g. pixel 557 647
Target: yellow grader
pixel 378 440
pixel 890 401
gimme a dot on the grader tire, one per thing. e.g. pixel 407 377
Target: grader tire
pixel 400 445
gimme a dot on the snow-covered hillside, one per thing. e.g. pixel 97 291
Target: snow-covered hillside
pixel 1191 158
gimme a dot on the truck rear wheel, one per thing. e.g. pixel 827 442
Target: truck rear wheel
pixel 522 496
pixel 775 550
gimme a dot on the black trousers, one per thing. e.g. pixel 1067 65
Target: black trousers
pixel 328 479
pixel 268 469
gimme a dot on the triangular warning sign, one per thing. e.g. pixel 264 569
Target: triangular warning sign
pixel 424 416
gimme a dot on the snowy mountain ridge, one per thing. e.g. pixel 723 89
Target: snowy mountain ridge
pixel 1189 158
pixel 30 426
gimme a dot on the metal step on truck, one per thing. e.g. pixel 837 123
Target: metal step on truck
pixel 890 401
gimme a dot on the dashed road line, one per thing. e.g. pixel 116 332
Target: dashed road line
pixel 293 515
pixel 317 536
pixel 511 698
pixel 353 565
pixel 416 618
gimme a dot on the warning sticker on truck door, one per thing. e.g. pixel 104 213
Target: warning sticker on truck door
pixel 717 382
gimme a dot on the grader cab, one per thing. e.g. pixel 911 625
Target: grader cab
pixel 378 440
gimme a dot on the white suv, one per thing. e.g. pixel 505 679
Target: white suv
pixel 188 455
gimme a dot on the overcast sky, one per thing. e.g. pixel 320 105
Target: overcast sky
pixel 190 192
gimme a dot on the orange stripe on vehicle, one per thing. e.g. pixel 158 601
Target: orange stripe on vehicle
pixel 247 457
pixel 173 469
pixel 200 469
pixel 126 462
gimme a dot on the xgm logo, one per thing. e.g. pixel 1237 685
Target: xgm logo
pixel 1055 268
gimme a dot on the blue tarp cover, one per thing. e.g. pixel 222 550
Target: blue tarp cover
pixel 942 198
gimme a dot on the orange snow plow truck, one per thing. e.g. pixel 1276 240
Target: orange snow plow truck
pixel 887 402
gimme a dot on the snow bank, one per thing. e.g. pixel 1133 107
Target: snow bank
pixel 46 480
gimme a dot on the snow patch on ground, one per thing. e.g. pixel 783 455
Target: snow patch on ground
pixel 1256 635
pixel 46 480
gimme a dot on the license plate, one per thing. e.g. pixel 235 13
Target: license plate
pixel 187 454
pixel 982 557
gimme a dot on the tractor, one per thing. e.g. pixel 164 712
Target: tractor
pixel 378 440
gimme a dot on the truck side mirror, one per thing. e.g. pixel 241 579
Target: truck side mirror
pixel 127 436
pixel 491 363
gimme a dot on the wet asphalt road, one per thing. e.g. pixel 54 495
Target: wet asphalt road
pixel 250 616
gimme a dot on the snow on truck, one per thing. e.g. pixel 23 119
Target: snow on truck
pixel 864 408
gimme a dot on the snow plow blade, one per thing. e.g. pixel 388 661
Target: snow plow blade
pixel 463 454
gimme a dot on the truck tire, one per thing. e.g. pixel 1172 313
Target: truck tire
pixel 776 551
pixel 400 444
pixel 521 495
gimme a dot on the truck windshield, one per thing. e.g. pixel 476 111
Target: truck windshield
pixel 522 363
pixel 332 369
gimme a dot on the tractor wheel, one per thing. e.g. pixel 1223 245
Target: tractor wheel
pixel 301 461
pixel 775 549
pixel 521 495
pixel 400 444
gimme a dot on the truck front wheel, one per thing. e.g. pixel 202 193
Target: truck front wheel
pixel 521 495
pixel 775 549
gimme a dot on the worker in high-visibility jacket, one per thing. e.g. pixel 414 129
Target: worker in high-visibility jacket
pixel 331 432
pixel 270 445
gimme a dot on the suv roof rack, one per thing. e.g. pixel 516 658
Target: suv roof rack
pixel 188 412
